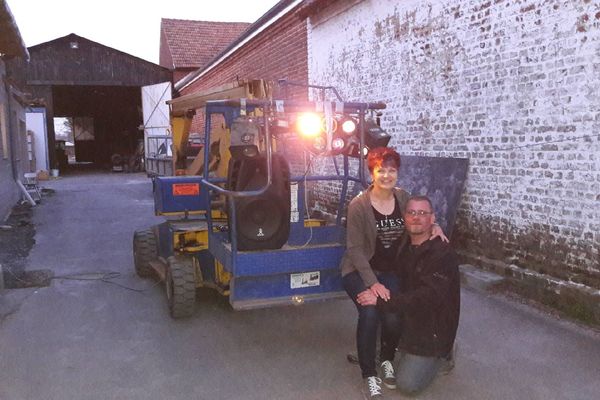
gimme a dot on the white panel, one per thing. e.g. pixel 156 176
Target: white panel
pixel 36 122
pixel 157 124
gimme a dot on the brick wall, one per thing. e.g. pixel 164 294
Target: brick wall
pixel 512 85
pixel 279 52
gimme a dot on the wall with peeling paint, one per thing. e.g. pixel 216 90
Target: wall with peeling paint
pixel 13 145
pixel 512 85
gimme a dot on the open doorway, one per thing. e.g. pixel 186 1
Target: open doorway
pixel 75 141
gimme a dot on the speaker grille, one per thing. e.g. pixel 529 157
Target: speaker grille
pixel 262 222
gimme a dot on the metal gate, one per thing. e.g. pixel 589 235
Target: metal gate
pixel 157 129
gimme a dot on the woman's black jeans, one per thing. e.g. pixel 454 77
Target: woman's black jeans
pixel 369 318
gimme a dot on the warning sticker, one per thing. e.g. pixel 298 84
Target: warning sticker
pixel 294 214
pixel 306 279
pixel 186 189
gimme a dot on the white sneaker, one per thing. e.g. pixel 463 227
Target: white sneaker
pixel 389 375
pixel 372 388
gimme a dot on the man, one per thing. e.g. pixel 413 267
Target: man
pixel 428 301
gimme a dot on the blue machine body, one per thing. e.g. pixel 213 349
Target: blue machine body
pixel 305 269
pixel 179 194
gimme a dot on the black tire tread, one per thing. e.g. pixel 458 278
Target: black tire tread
pixel 144 251
pixel 182 303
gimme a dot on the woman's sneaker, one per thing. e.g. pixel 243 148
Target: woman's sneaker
pixel 389 375
pixel 372 388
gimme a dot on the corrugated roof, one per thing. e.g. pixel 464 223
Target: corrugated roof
pixel 193 44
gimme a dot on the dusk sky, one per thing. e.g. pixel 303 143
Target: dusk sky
pixel 132 26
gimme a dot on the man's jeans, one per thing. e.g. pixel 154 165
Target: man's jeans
pixel 414 373
pixel 369 318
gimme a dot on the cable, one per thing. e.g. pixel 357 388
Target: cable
pixel 307 166
pixel 306 200
pixel 105 277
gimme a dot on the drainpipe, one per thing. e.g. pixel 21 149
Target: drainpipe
pixel 10 123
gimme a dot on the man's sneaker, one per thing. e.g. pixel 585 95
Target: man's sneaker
pixel 389 375
pixel 372 388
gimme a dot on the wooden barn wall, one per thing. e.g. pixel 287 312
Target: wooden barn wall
pixel 56 63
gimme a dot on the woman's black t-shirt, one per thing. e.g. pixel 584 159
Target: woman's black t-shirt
pixel 389 230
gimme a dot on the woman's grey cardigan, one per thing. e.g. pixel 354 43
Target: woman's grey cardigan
pixel 361 234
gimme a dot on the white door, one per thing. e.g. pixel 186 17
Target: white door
pixel 157 125
pixel 35 119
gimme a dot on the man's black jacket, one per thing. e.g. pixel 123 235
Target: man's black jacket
pixel 429 298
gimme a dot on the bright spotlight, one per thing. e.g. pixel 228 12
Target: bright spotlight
pixel 348 126
pixel 309 124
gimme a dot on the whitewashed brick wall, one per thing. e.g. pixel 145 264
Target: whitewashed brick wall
pixel 512 85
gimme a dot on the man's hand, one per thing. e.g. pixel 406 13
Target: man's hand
pixel 380 291
pixel 367 298
pixel 436 231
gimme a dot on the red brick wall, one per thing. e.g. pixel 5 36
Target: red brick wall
pixel 181 73
pixel 278 52
pixel 164 56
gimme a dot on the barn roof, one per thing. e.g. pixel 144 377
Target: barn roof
pixel 72 37
pixel 75 60
pixel 11 42
pixel 192 44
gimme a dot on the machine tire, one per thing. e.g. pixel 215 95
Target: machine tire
pixel 180 285
pixel 144 251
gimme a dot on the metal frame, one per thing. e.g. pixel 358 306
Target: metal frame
pixel 272 267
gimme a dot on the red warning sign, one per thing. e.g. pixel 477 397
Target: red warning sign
pixel 186 189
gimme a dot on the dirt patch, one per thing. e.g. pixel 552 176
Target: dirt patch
pixel 17 237
pixel 16 240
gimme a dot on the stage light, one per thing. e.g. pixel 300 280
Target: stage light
pixel 349 126
pixel 309 124
pixel 337 144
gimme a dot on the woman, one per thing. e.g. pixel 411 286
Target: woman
pixel 374 231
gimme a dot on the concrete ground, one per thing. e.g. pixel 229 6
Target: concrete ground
pixel 99 339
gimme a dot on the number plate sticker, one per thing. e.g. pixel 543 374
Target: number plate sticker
pixel 306 279
pixel 186 189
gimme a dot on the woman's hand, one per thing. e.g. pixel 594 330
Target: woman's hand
pixel 436 231
pixel 380 291
pixel 367 298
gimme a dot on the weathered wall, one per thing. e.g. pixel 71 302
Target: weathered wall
pixel 13 151
pixel 91 63
pixel 512 85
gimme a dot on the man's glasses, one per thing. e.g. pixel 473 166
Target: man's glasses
pixel 420 213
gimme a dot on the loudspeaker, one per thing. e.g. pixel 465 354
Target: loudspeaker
pixel 262 222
